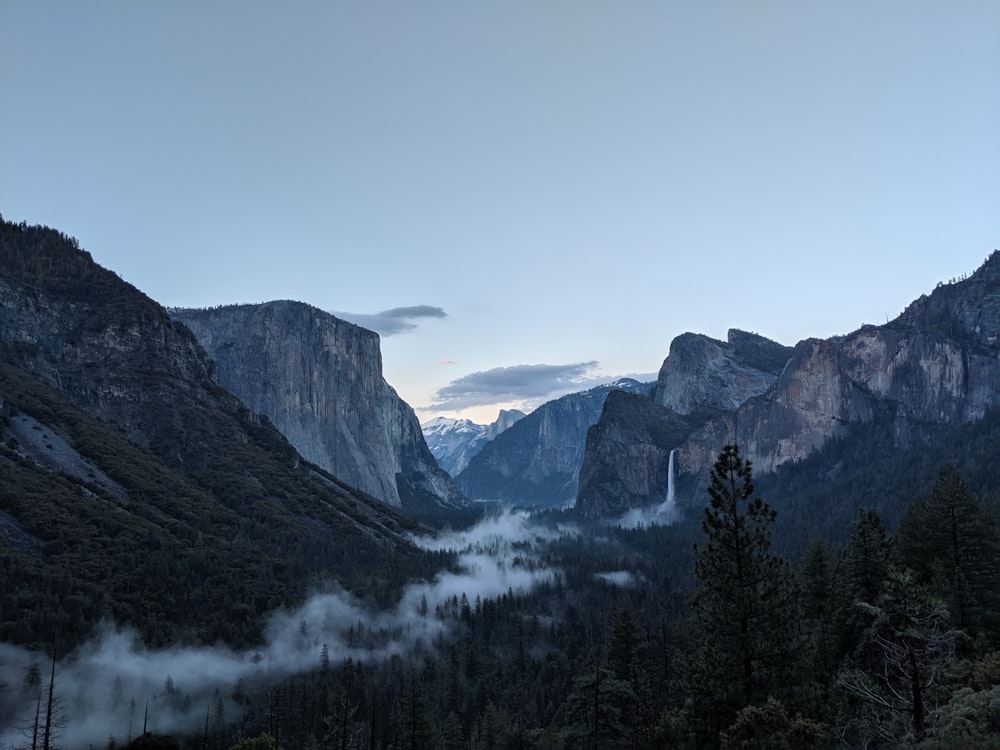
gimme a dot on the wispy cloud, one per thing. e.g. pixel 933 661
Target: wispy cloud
pixel 395 320
pixel 523 383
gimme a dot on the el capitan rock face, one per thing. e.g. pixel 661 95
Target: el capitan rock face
pixel 319 380
pixel 936 364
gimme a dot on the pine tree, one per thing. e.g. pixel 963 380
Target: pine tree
pixel 866 559
pixel 745 608
pixel 860 576
pixel 415 719
pixel 905 649
pixel 952 545
pixel 818 607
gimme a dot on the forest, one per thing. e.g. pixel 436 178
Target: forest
pixel 695 635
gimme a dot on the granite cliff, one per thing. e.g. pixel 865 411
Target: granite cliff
pixel 700 372
pixel 318 379
pixel 937 364
pixel 627 451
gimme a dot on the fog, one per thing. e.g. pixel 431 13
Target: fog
pixel 104 687
pixel 664 514
pixel 623 579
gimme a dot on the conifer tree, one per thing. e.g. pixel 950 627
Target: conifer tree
pixel 860 576
pixel 904 651
pixel 952 545
pixel 745 608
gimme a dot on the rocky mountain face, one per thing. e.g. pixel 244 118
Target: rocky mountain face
pixel 627 452
pixel 319 381
pixel 536 462
pixel 453 442
pixel 936 364
pixel 700 372
pixel 126 470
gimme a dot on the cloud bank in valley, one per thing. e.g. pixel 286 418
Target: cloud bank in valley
pixel 530 384
pixel 395 320
pixel 104 686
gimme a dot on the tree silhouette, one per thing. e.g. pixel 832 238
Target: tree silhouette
pixel 746 607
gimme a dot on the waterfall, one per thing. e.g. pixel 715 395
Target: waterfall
pixel 670 479
pixel 667 507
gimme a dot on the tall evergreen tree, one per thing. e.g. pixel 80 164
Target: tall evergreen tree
pixel 860 576
pixel 818 607
pixel 952 545
pixel 746 607
pixel 415 721
pixel 904 651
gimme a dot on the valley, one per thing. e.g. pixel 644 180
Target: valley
pixel 222 524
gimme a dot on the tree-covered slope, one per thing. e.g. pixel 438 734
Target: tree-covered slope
pixel 154 497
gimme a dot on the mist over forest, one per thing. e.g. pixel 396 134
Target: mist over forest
pixel 113 683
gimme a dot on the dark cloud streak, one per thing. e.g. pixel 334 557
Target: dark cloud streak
pixel 394 320
pixel 515 383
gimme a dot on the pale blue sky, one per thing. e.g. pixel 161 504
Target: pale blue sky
pixel 571 182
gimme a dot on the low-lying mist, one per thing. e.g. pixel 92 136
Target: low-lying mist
pixel 106 686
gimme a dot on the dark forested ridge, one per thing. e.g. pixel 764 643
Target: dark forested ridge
pixel 151 496
pixel 845 600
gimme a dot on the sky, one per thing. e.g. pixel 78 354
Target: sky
pixel 524 198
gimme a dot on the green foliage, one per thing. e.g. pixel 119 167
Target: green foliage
pixel 769 726
pixel 262 741
pixel 201 556
pixel 901 657
pixel 746 608
pixel 953 546
pixel 970 718
pixel 822 494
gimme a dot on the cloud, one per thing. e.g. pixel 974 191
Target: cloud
pixel 533 383
pixel 394 320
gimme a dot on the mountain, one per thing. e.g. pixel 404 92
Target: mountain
pixel 127 472
pixel 700 372
pixel 936 366
pixel 319 381
pixel 536 462
pixel 627 451
pixel 455 441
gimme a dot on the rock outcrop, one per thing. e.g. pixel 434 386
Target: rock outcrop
pixel 536 462
pixel 627 454
pixel 700 372
pixel 318 379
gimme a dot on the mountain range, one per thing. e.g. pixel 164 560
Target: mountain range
pixel 536 462
pixel 935 366
pixel 259 447
pixel 453 442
